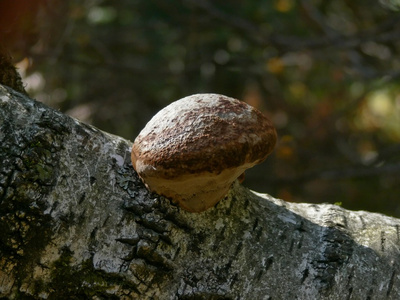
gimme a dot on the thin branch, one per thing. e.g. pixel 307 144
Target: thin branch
pixel 316 17
pixel 384 32
pixel 238 23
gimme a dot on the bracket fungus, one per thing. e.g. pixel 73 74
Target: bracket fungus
pixel 195 148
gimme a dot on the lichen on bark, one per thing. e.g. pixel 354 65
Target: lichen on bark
pixel 28 171
pixel 8 74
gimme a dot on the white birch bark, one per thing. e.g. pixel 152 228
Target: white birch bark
pixel 77 223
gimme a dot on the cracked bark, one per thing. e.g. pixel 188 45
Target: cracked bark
pixel 77 223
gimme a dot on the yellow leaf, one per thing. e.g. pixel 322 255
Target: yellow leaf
pixel 275 65
pixel 284 6
pixel 298 90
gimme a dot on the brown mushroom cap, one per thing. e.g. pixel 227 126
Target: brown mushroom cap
pixel 194 149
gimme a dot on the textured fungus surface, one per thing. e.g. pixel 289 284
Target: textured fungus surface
pixel 204 133
pixel 193 149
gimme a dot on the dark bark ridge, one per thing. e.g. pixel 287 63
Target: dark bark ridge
pixel 77 223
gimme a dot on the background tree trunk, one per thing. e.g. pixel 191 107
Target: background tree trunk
pixel 77 223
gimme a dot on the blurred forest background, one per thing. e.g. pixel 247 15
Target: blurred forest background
pixel 326 72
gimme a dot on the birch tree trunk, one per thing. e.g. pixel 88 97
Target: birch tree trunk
pixel 77 223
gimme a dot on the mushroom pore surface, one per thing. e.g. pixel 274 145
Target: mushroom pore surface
pixel 195 148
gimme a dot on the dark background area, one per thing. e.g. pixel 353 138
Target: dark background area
pixel 325 72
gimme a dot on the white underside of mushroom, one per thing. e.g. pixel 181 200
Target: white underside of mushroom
pixel 196 192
